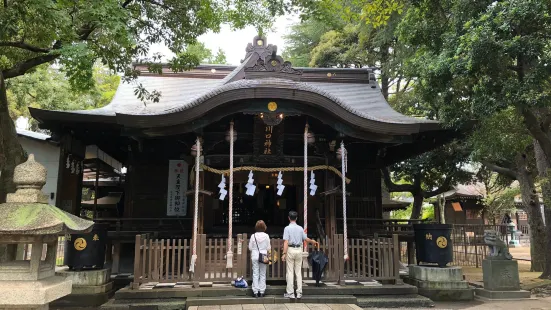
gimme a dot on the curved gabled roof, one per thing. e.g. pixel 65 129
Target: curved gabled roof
pixel 352 95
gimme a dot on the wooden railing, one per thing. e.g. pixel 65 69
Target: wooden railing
pixel 167 261
pixel 377 258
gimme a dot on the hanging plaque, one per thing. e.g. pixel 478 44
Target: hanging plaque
pixel 176 199
pixel 268 139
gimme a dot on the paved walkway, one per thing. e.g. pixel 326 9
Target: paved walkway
pixel 531 304
pixel 293 306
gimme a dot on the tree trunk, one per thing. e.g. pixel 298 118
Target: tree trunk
pixel 442 208
pixel 11 152
pixel 531 203
pixel 417 208
pixel 543 171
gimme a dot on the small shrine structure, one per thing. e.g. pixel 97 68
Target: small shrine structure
pixel 27 219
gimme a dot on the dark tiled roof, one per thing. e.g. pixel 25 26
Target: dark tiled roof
pixel 353 94
pixel 180 94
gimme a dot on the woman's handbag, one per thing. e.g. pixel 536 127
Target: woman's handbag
pixel 262 258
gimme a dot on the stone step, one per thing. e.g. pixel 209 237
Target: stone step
pixel 145 304
pixel 391 301
pixel 356 290
pixel 246 300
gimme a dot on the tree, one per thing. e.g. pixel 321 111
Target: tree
pixel 204 54
pixel 48 88
pixel 499 196
pixel 503 145
pixel 76 34
pixel 357 39
pixel 302 39
pixel 429 174
pixel 220 58
pixel 475 59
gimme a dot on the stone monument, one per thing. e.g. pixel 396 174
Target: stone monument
pixel 499 272
pixel 27 219
pixel 440 284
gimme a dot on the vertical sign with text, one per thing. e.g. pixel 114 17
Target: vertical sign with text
pixel 268 139
pixel 176 200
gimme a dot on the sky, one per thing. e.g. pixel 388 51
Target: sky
pixel 233 43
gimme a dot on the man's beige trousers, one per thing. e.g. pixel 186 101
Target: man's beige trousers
pixel 293 260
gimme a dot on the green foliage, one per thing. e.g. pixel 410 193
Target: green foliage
pixel 433 168
pixel 501 202
pixel 476 58
pixel 427 214
pixel 50 89
pixel 204 54
pixel 77 33
pixel 500 137
pixel 219 58
pixel 302 39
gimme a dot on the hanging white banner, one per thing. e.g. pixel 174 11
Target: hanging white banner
pixel 176 199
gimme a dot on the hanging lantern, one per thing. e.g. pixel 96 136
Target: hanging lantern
pixel 194 150
pixel 228 135
pixel 311 138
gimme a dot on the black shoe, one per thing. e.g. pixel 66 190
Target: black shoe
pixel 256 295
pixel 261 295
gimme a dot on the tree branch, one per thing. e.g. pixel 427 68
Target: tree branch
pixel 533 126
pixel 22 67
pixel 546 123
pixel 25 46
pixel 126 3
pixel 501 170
pixel 393 187
pixel 446 186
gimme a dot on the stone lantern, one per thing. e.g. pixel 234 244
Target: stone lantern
pixel 27 219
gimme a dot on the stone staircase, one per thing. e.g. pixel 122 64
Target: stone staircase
pixel 383 296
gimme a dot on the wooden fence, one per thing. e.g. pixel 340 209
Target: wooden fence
pixel 167 260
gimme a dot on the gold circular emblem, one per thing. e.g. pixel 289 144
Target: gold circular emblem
pixel 80 244
pixel 259 42
pixel 442 242
pixel 272 106
pixel 274 63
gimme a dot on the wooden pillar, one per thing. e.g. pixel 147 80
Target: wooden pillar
pixel 201 220
pixel 208 218
pixel 411 252
pixel 330 209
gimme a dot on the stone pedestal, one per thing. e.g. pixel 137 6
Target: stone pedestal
pixel 514 243
pixel 501 280
pixel 91 288
pixel 440 284
pixel 33 294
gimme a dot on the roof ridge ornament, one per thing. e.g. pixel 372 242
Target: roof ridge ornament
pixel 267 63
pixel 260 47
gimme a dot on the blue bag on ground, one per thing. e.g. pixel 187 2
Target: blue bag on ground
pixel 240 283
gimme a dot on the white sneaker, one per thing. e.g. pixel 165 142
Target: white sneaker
pixel 292 296
pixel 299 295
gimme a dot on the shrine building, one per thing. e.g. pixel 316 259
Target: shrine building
pixel 284 119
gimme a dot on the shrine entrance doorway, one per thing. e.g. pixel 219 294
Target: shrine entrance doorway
pixel 265 205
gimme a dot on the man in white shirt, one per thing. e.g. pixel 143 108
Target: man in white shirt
pixel 293 237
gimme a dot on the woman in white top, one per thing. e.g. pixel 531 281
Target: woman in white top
pixel 259 243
